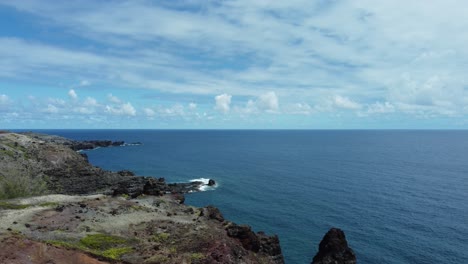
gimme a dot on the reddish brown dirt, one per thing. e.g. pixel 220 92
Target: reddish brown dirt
pixel 19 250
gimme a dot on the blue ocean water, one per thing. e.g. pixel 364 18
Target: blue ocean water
pixel 400 196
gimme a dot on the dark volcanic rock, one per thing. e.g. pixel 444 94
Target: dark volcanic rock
pixel 132 186
pixel 85 156
pixel 92 144
pixel 155 186
pixel 135 186
pixel 259 242
pixel 270 244
pixel 117 143
pixel 333 249
pixel 211 182
pixel 180 198
pixel 245 235
pixel 212 213
pixel 126 173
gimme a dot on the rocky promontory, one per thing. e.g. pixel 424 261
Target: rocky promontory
pixel 55 163
pixel 117 217
pixel 79 213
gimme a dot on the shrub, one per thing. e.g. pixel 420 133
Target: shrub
pixel 15 183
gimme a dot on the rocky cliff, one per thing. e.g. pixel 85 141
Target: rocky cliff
pixel 118 217
pixel 84 214
pixel 55 162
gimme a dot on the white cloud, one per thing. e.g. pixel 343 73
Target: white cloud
pixel 72 94
pixel 57 102
pixel 4 99
pixel 268 102
pixel 83 110
pixel 345 103
pixel 175 110
pixel 90 102
pixel 192 106
pixel 149 112
pixel 113 99
pixel 123 109
pixel 381 108
pixel 387 59
pixel 5 102
pixel 300 109
pixel 51 109
pixel 223 102
pixel 88 106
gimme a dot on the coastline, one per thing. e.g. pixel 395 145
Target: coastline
pixel 131 198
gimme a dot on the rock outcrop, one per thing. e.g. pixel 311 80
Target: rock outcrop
pixel 127 219
pixel 145 230
pixel 145 216
pixel 334 249
pixel 55 160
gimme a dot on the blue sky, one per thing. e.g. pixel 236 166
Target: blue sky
pixel 233 64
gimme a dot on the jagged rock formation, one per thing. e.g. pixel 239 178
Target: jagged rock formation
pixel 333 249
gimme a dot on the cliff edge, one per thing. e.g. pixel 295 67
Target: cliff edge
pixel 80 213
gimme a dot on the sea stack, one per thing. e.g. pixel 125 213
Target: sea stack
pixel 333 249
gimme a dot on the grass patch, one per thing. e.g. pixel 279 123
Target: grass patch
pixel 139 208
pixel 48 204
pixel 21 182
pixel 197 256
pixel 102 241
pixel 116 253
pixel 173 250
pixel 161 237
pixel 5 205
pixel 62 244
pixel 8 153
pixel 109 247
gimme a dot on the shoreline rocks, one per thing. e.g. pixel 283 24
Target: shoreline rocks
pixel 334 249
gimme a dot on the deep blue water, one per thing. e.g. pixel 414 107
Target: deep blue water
pixel 400 196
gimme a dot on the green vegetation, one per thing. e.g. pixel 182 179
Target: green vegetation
pixel 116 253
pixel 110 247
pixel 173 250
pixel 139 208
pixel 197 256
pixel 7 152
pixel 102 241
pixel 62 244
pixel 15 183
pixel 161 237
pixel 49 204
pixel 6 205
pixel 13 206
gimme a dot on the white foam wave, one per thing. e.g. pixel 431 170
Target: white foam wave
pixel 204 186
pixel 130 144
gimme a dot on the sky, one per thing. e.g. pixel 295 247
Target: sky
pixel 234 64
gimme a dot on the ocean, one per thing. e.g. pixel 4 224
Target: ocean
pixel 400 196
